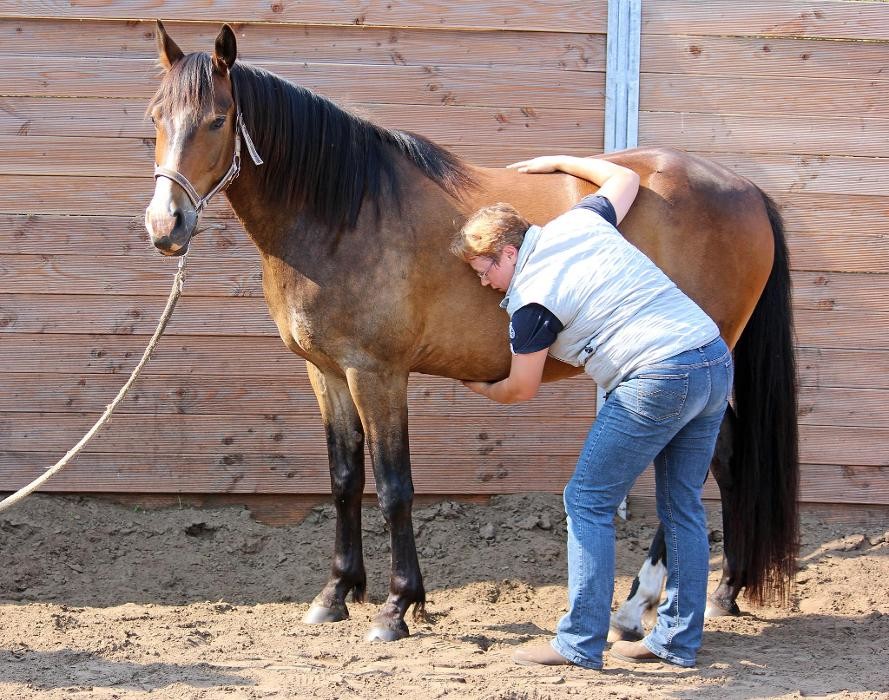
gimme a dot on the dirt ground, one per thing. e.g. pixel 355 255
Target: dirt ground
pixel 106 601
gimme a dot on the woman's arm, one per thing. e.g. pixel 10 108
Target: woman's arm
pixel 617 183
pixel 523 381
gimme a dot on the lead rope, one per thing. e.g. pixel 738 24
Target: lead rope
pixel 175 293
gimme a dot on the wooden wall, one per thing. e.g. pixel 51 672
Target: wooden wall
pixel 224 407
pixel 791 94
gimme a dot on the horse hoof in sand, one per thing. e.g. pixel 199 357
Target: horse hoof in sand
pixel 319 614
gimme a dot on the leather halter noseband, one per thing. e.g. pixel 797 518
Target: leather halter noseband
pixel 234 170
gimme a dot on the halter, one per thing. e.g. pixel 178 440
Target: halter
pixel 234 170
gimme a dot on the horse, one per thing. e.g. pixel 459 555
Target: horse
pixel 353 224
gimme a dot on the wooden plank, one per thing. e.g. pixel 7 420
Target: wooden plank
pixel 285 434
pixel 849 330
pixel 564 50
pixel 843 251
pixel 522 87
pixel 864 408
pixel 203 394
pixel 464 472
pixel 839 214
pixel 266 357
pixel 292 437
pixel 817 174
pixel 849 253
pixel 858 369
pixel 248 316
pixel 828 291
pixel 826 19
pixel 40 313
pixel 819 483
pixel 763 96
pixel 775 133
pixel 137 274
pixel 549 15
pixel 753 56
pixel 147 274
pixel 198 393
pixel 57 234
pixel 452 127
pixel 120 196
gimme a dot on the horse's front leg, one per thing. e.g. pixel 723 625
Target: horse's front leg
pixel 723 600
pixel 380 394
pixel 345 450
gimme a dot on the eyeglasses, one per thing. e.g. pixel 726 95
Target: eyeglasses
pixel 484 275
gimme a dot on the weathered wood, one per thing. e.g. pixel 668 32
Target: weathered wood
pixel 463 471
pixel 754 56
pixel 531 15
pixel 452 127
pixel 859 369
pixel 199 393
pixel 522 87
pixel 247 358
pixel 296 438
pixel 772 134
pixel 280 433
pixel 240 276
pixel 788 18
pixel 205 394
pixel 839 214
pixel 764 95
pixel 828 291
pixel 341 44
pixel 818 483
pixel 127 315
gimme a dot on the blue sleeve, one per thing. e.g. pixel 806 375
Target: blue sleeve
pixel 601 205
pixel 533 327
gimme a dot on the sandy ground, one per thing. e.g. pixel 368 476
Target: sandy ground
pixel 106 601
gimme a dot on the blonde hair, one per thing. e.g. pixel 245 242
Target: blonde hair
pixel 487 232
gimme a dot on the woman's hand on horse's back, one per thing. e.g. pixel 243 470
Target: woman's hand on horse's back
pixel 541 164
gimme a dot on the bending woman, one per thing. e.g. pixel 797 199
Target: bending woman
pixel 576 290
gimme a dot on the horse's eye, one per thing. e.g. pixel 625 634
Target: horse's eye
pixel 217 123
pixel 153 120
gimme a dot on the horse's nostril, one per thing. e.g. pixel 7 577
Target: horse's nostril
pixel 177 217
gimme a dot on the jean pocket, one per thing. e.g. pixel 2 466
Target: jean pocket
pixel 661 397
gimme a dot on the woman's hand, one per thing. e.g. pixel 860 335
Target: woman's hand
pixel 478 387
pixel 541 164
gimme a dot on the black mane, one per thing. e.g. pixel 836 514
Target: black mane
pixel 318 156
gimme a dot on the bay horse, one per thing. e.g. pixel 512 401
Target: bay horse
pixel 353 224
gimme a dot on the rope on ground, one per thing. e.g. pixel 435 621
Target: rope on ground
pixel 175 293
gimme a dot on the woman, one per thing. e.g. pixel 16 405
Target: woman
pixel 578 291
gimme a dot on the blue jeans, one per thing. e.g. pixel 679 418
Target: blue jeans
pixel 669 413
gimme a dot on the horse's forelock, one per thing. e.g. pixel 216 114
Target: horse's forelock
pixel 187 88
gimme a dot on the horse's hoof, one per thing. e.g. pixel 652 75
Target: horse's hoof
pixel 387 633
pixel 319 614
pixel 618 634
pixel 721 608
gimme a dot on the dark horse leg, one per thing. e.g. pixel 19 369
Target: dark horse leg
pixel 645 593
pixel 345 450
pixel 723 600
pixel 380 393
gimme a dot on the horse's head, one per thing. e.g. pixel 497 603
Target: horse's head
pixel 197 149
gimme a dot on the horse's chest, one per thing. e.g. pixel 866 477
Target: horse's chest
pixel 292 305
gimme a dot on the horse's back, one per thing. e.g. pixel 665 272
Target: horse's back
pixel 704 226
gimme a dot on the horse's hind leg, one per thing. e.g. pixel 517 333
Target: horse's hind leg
pixel 345 450
pixel 645 593
pixel 723 600
pixel 380 394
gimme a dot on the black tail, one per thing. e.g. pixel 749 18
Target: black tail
pixel 765 454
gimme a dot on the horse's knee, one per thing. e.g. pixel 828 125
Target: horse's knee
pixel 396 501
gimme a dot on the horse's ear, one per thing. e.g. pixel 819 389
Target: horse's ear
pixel 225 53
pixel 167 50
